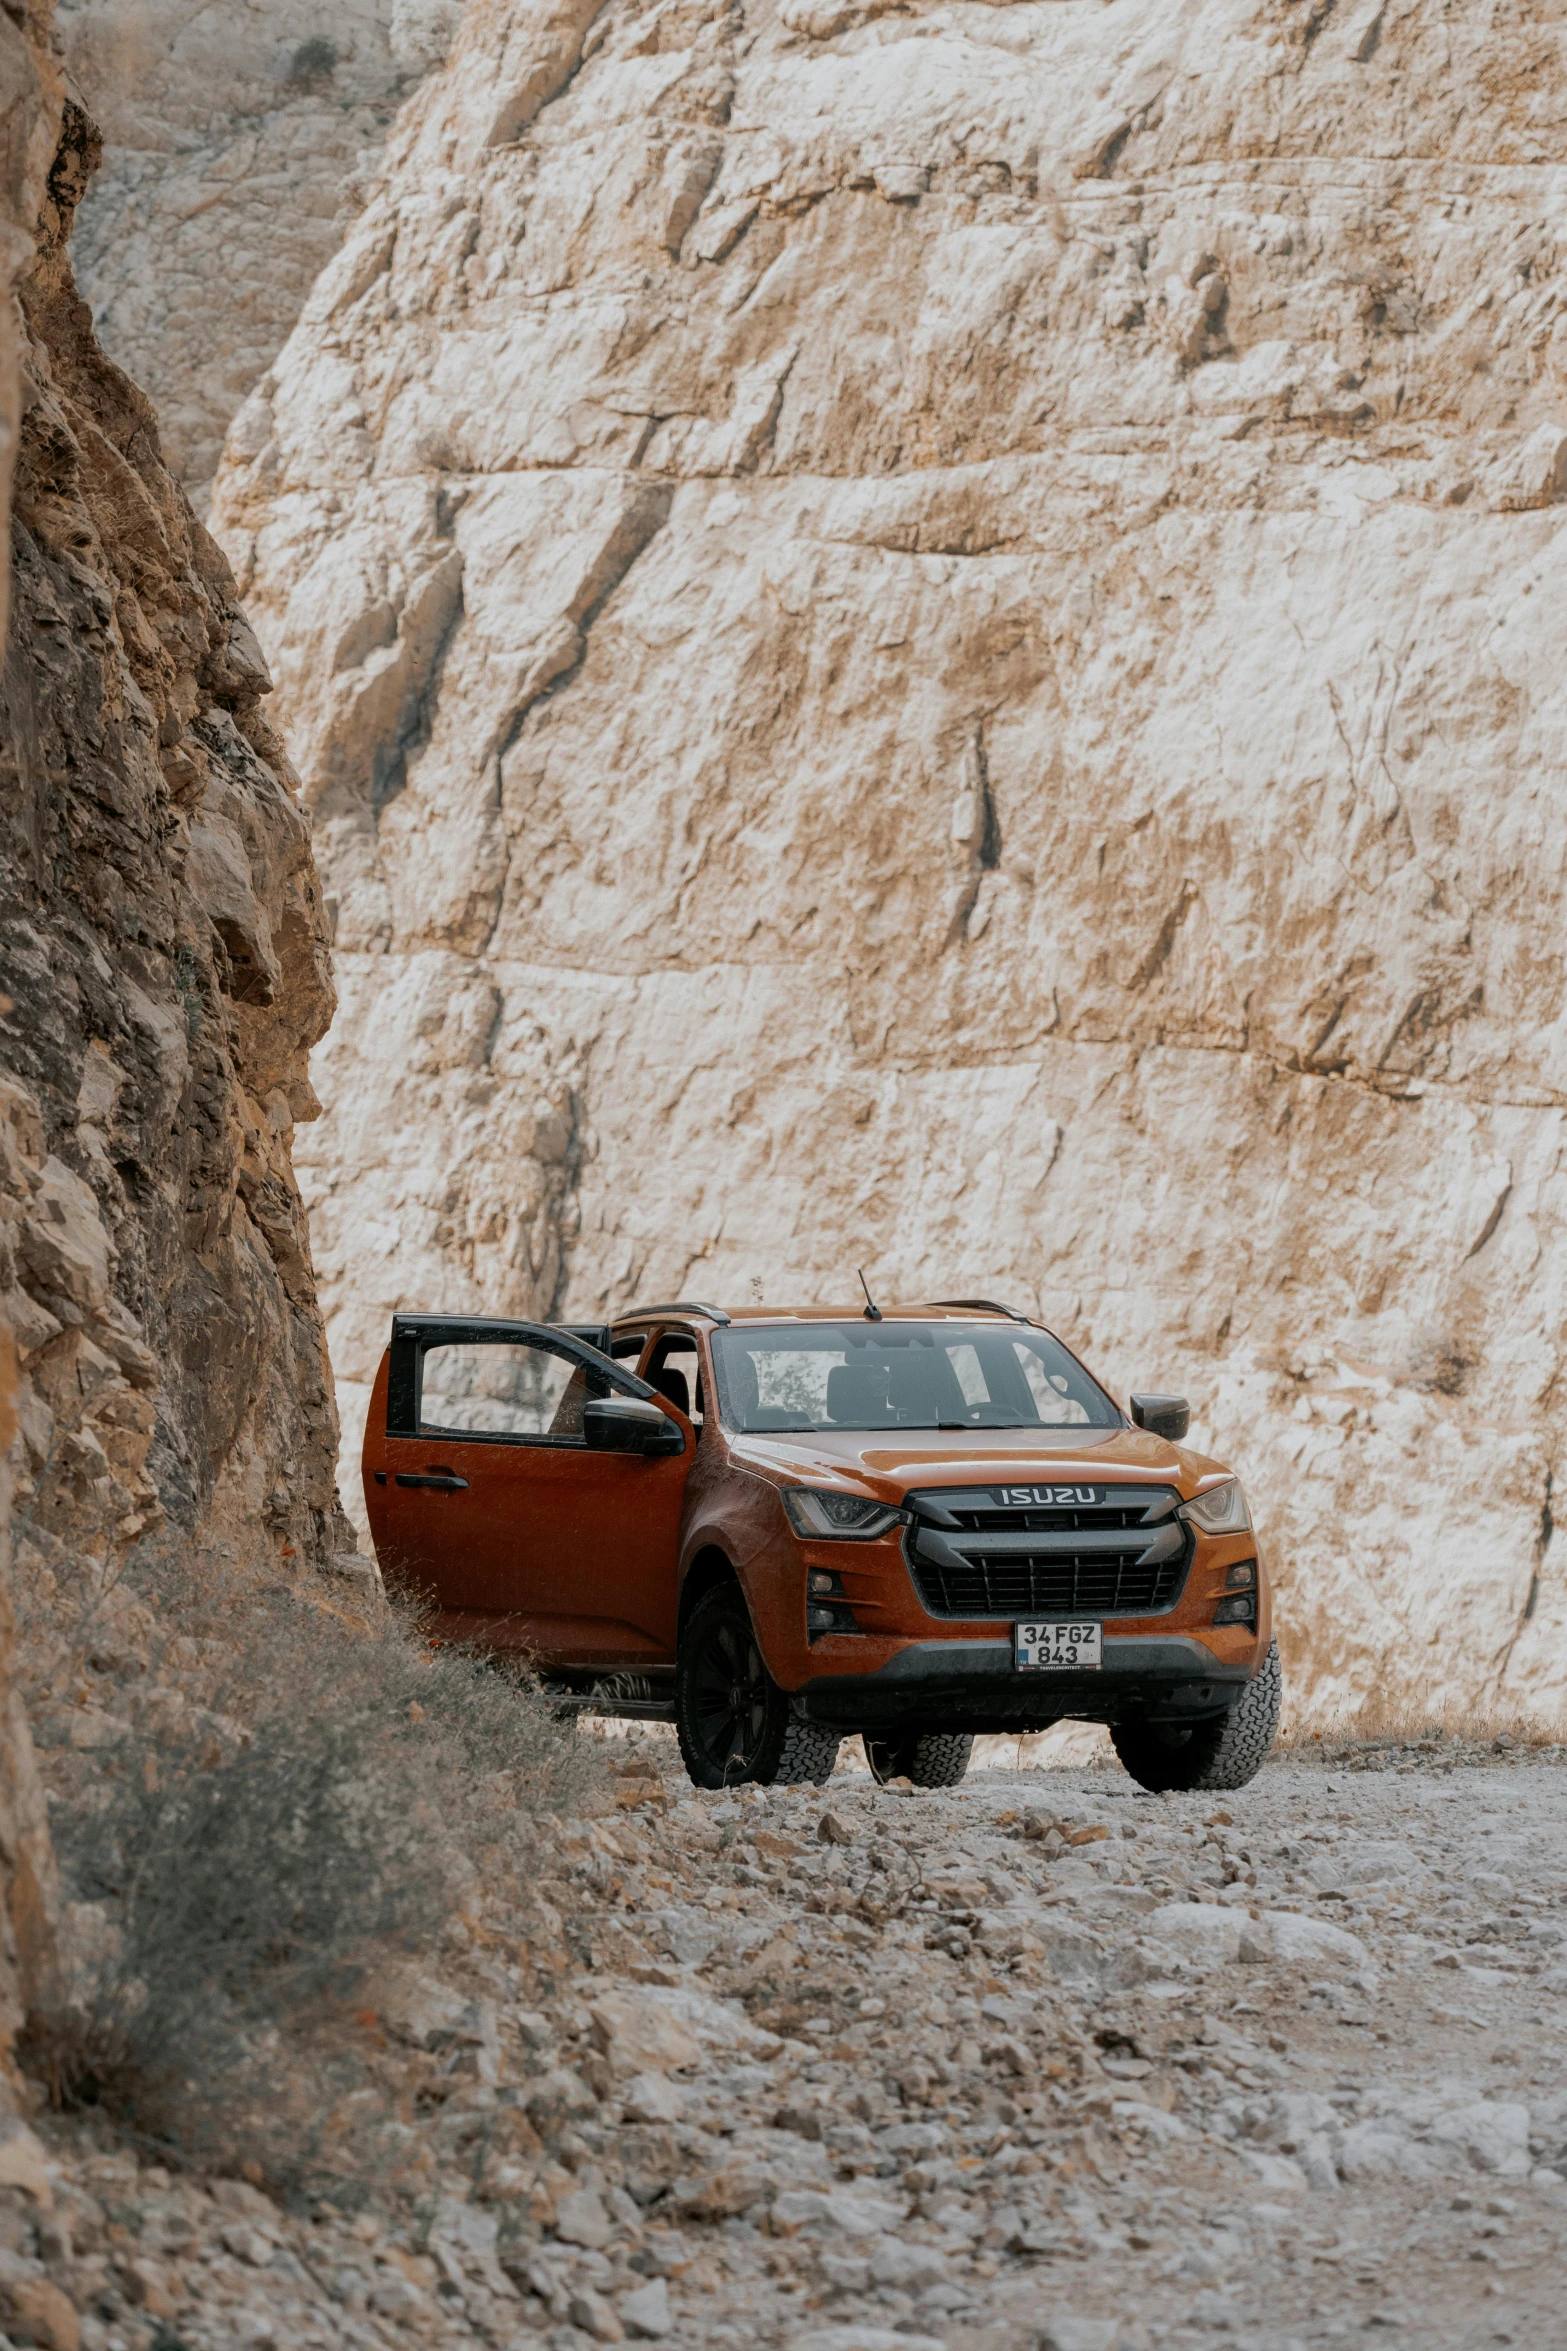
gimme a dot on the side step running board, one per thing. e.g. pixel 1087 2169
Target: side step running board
pixel 627 1697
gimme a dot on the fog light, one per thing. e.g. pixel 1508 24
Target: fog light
pixel 1241 1610
pixel 821 1581
pixel 1242 1576
pixel 828 1617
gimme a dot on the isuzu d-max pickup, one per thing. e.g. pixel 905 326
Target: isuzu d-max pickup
pixel 775 1527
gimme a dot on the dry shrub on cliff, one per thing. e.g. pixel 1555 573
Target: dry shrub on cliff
pixel 317 1789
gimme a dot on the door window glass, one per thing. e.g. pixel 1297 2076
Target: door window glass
pixel 506 1389
pixel 675 1370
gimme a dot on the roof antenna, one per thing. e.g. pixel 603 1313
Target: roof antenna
pixel 872 1310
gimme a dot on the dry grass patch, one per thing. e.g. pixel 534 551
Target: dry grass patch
pixel 297 1789
pixel 1385 1726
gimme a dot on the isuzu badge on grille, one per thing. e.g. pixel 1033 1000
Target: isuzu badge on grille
pixel 1049 1496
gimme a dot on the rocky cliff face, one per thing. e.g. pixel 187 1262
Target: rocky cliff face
pixel 237 140
pixel 166 971
pixel 30 103
pixel 927 638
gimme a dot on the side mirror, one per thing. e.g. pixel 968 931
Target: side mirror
pixel 1162 1416
pixel 627 1424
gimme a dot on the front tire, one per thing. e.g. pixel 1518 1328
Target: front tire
pixel 931 1759
pixel 1166 1759
pixel 734 1722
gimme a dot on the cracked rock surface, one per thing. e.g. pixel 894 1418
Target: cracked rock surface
pixel 239 140
pixel 1043 2064
pixel 925 638
pixel 166 970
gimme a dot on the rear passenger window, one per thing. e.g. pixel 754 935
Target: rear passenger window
pixel 505 1389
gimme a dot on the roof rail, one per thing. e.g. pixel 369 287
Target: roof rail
pixel 985 1306
pixel 677 1306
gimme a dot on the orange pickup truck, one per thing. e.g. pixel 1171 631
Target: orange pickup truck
pixel 774 1527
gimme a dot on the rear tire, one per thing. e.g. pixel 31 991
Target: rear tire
pixel 931 1759
pixel 1166 1759
pixel 734 1723
pixel 808 1754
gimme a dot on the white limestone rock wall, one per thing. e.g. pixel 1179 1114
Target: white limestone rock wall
pixel 931 639
pixel 237 135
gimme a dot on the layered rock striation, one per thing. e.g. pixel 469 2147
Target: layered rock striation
pixel 166 971
pixel 926 638
pixel 237 141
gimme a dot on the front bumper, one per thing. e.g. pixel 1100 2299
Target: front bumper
pixel 974 1686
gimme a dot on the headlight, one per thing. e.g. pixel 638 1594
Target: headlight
pixel 851 1518
pixel 1221 1511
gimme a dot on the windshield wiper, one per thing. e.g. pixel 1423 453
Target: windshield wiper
pixel 964 1424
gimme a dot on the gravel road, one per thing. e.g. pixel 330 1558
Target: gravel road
pixel 1038 2064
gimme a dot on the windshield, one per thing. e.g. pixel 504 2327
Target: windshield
pixel 906 1375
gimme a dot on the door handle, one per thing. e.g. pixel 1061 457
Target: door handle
pixel 440 1481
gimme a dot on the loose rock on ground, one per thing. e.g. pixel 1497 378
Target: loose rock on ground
pixel 1043 2061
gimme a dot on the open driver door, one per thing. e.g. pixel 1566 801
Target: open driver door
pixel 530 1488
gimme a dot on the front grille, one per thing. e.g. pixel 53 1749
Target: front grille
pixel 1043 1522
pixel 1109 1551
pixel 1048 1584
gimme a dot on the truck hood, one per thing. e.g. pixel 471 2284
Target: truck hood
pixel 893 1464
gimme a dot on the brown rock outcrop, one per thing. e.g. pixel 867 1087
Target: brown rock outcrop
pixel 28 1897
pixel 166 971
pixel 30 98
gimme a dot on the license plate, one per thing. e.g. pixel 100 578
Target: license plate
pixel 1058 1647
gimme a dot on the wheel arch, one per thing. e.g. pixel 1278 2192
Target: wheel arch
pixel 709 1568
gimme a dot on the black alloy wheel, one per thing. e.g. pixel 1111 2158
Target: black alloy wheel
pixel 731 1715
